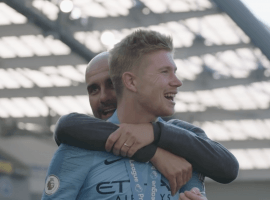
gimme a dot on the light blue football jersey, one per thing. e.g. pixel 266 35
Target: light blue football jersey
pixel 76 173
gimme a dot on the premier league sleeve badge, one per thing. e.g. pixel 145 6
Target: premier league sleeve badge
pixel 52 184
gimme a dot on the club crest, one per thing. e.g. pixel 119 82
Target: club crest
pixel 51 185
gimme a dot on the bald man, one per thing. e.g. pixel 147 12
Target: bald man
pixel 100 89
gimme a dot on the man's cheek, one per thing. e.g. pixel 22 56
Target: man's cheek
pixel 96 113
pixel 94 108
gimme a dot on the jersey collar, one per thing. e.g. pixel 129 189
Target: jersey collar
pixel 114 118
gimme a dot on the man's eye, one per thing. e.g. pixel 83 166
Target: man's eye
pixel 111 85
pixel 165 71
pixel 93 91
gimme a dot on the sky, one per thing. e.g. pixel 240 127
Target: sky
pixel 260 8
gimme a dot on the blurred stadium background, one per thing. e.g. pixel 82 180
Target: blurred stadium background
pixel 222 54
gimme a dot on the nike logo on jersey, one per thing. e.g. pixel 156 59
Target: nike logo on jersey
pixel 107 162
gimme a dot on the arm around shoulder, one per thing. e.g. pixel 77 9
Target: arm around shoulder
pixel 83 131
pixel 90 133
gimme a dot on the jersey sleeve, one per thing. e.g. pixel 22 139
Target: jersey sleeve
pixel 90 133
pixel 206 156
pixel 67 172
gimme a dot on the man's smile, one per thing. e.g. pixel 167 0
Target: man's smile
pixel 107 112
pixel 170 96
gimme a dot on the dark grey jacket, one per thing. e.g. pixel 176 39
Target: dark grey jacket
pixel 176 136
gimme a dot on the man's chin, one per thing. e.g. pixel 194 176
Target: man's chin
pixel 167 113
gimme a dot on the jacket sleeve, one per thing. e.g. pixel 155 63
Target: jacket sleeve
pixel 206 156
pixel 90 133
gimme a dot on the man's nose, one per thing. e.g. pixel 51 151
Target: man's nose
pixel 175 81
pixel 103 96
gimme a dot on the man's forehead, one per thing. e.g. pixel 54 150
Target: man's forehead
pixel 97 77
pixel 98 64
pixel 96 70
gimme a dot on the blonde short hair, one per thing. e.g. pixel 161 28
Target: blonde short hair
pixel 128 53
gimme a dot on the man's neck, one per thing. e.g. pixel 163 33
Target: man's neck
pixel 130 112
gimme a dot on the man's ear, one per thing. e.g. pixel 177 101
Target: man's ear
pixel 129 81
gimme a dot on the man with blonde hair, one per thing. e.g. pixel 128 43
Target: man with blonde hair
pixel 147 92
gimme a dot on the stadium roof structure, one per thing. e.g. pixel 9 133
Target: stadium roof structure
pixel 222 55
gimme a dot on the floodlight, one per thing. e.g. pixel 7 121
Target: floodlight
pixel 107 37
pixel 66 6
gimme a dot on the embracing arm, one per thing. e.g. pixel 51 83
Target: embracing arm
pixel 178 137
pixel 207 156
pixel 90 133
